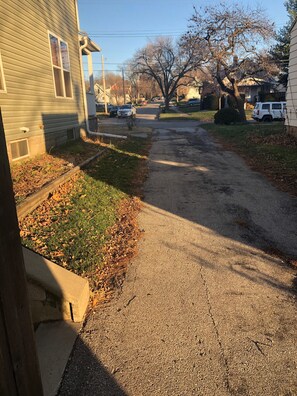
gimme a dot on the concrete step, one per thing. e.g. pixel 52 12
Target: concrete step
pixel 55 293
pixel 54 342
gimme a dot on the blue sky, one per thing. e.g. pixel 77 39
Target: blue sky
pixel 120 27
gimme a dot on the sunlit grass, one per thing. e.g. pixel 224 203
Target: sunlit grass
pixel 71 227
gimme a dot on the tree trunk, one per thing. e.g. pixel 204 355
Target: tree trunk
pixel 240 108
pixel 166 101
pixel 240 104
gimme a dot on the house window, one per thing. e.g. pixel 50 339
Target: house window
pixel 2 81
pixel 61 67
pixel 19 149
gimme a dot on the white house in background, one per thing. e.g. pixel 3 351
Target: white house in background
pixel 291 119
pixel 99 94
pixel 252 87
pixel 193 92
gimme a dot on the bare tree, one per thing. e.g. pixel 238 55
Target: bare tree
pixel 231 36
pixel 167 63
pixel 114 88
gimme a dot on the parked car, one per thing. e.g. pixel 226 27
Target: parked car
pixel 127 110
pixel 193 102
pixel 113 111
pixel 100 107
pixel 269 111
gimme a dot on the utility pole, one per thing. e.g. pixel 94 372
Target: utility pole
pixel 104 87
pixel 123 78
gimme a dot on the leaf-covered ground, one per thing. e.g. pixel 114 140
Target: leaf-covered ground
pixel 89 224
pixel 32 174
pixel 266 147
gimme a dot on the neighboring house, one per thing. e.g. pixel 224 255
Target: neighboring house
pixel 253 88
pixel 193 92
pixel 99 93
pixel 42 94
pixel 114 94
pixel 291 119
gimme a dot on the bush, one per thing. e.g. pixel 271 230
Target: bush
pixel 226 116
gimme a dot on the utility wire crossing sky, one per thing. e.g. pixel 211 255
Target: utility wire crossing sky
pixel 121 27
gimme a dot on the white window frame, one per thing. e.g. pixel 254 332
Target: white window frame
pixel 3 90
pixel 22 156
pixel 61 67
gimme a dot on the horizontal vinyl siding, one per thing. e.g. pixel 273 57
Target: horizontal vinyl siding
pixel 291 96
pixel 30 99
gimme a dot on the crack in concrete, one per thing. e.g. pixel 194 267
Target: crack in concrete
pixel 222 352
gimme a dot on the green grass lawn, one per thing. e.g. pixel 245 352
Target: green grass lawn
pixel 71 228
pixel 194 114
pixel 242 134
pixel 265 146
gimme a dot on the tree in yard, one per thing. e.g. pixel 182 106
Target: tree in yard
pixel 114 88
pixel 230 36
pixel 167 63
pixel 281 50
pixel 141 86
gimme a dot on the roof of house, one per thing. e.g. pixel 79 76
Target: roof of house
pixel 253 81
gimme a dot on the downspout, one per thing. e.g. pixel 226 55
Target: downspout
pixel 83 47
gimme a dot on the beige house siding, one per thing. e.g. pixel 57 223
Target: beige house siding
pixel 30 108
pixel 291 120
pixel 193 92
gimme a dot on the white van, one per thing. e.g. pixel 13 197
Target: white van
pixel 269 111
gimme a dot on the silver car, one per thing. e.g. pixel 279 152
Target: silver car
pixel 127 110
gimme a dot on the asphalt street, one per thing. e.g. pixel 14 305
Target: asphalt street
pixel 204 310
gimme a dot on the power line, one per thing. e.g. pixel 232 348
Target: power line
pixel 121 32
pixel 132 36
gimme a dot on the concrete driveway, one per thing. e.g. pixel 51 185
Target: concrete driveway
pixel 204 310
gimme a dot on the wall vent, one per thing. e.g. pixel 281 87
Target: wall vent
pixel 19 149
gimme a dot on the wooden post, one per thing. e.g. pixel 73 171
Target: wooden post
pixel 19 368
